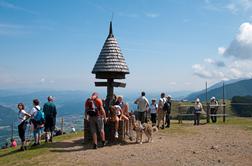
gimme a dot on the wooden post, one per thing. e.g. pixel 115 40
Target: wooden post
pixel 207 106
pixel 223 102
pixel 62 125
pixel 110 91
pixel 12 130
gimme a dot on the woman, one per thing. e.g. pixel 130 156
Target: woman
pixel 37 128
pixel 153 111
pixel 22 118
pixel 198 108
pixel 125 112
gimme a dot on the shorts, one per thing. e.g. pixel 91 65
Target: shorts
pixel 96 122
pixel 49 124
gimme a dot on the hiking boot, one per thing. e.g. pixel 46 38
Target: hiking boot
pixel 162 127
pixel 35 144
pixel 21 149
pixel 116 134
pixel 104 143
pixel 94 146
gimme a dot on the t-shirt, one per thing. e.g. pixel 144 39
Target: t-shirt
pixel 213 104
pixel 161 102
pixel 34 111
pixel 49 110
pixel 153 108
pixel 198 107
pixel 142 103
pixel 21 116
pixel 118 109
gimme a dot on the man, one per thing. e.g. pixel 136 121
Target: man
pixel 50 112
pixel 213 109
pixel 143 104
pixel 161 111
pixel 95 114
pixel 168 110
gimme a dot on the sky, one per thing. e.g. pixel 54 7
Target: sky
pixel 169 45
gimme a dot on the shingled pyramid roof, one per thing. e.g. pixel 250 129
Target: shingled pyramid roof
pixel 110 59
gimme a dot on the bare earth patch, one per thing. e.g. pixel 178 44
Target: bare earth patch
pixel 185 145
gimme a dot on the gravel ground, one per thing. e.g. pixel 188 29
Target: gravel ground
pixel 185 145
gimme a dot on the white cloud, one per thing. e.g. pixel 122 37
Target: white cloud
pixel 221 50
pixel 214 62
pixel 232 7
pixel 152 15
pixel 201 71
pixel 8 5
pixel 42 80
pixel 246 4
pixel 241 46
pixel 173 83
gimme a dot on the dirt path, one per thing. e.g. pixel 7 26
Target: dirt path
pixel 187 145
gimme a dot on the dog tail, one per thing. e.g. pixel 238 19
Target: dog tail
pixel 154 129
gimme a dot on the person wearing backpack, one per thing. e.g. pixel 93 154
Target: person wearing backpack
pixel 96 115
pixel 38 120
pixel 167 109
pixel 50 112
pixel 161 112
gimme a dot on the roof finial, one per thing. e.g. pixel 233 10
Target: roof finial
pixel 110 26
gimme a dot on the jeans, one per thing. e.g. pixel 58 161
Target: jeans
pixel 37 132
pixel 196 118
pixel 213 112
pixel 153 118
pixel 21 130
pixel 168 119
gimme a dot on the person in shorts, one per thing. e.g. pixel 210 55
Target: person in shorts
pixel 95 114
pixel 50 112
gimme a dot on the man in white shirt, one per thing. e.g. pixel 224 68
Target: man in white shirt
pixel 160 111
pixel 143 104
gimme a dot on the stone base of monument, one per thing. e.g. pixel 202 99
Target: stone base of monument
pixel 109 128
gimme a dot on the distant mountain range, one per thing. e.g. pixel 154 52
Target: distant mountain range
pixel 7 116
pixel 232 88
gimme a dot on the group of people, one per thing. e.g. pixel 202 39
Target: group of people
pixel 38 119
pixel 97 114
pixel 198 110
pixel 160 111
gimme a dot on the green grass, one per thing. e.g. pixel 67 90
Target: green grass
pixel 12 155
pixel 245 123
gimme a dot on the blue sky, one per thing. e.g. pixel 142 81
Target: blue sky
pixel 169 45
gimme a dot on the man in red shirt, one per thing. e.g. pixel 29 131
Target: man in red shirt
pixel 95 114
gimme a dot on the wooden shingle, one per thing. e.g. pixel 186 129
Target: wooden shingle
pixel 111 59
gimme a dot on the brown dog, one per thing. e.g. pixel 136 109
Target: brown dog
pixel 144 128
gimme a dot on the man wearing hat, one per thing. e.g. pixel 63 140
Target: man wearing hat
pixel 213 109
pixel 50 112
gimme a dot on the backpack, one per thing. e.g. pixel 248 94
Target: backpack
pixel 39 117
pixel 91 108
pixel 167 107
